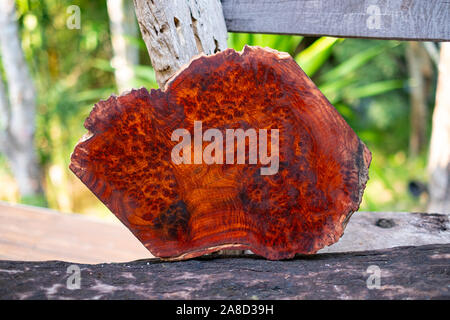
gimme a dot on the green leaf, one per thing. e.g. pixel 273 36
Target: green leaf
pixel 38 200
pixel 103 64
pixel 375 88
pixel 94 94
pixel 136 42
pixel 144 76
pixel 333 90
pixel 313 57
pixel 145 72
pixel 286 43
pixel 356 62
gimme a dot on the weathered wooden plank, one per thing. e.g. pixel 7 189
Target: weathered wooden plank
pixel 36 234
pixel 404 273
pixel 382 230
pixel 395 19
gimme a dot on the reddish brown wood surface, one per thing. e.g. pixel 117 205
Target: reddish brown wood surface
pixel 183 211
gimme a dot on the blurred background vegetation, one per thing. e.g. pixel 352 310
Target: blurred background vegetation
pixel 366 80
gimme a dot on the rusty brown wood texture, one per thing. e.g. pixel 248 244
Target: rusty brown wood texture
pixel 425 20
pixel 186 210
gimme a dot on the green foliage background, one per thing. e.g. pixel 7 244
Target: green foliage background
pixel 366 80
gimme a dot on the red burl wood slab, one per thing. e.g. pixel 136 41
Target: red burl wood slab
pixel 180 211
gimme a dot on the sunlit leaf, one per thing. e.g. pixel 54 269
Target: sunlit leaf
pixel 356 62
pixel 313 57
pixel 94 94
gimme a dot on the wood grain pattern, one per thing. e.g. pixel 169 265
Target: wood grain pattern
pixel 396 19
pixel 183 211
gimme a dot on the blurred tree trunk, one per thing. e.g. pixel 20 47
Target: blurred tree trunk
pixel 420 68
pixel 122 26
pixel 18 112
pixel 439 158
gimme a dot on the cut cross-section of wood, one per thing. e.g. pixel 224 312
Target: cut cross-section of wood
pixel 183 210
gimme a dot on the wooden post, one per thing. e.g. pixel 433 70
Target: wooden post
pixel 175 31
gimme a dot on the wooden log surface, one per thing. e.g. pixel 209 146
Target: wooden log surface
pixel 405 273
pixel 397 19
pixel 36 234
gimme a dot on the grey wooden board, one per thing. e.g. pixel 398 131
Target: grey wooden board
pixel 404 273
pixel 427 20
pixel 382 230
